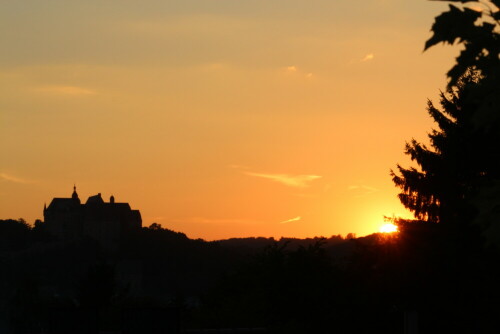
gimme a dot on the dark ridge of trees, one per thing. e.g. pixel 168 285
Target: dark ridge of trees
pixel 14 234
pixel 253 245
pixel 18 234
pixel 171 270
pixel 358 285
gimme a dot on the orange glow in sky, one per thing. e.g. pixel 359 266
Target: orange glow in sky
pixel 216 118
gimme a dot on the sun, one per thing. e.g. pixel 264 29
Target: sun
pixel 388 228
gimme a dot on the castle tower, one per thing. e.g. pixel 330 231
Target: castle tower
pixel 74 196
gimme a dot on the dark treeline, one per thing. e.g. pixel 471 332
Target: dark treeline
pixel 341 285
pixel 152 267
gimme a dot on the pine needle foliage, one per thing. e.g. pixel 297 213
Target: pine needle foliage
pixel 461 156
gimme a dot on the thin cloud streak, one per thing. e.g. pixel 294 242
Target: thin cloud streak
pixel 298 181
pixel 368 57
pixel 66 90
pixel 362 190
pixel 291 220
pixel 236 166
pixel 13 179
pixel 207 220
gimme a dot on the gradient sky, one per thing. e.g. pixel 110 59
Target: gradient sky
pixel 217 118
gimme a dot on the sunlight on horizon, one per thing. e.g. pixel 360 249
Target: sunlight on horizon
pixel 389 228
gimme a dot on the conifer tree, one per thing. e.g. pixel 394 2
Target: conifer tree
pixel 458 175
pixel 459 159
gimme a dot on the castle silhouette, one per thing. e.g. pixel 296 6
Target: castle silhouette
pixel 69 219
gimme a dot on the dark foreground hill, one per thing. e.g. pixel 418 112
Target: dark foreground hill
pixel 152 262
pixel 332 285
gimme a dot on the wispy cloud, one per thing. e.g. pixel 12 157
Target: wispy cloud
pixel 299 181
pixel 291 220
pixel 211 220
pixel 14 179
pixel 65 90
pixel 368 57
pixel 362 190
pixel 236 166
pixel 292 69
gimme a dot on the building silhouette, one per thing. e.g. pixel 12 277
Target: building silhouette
pixel 108 222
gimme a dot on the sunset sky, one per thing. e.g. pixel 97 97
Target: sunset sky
pixel 216 118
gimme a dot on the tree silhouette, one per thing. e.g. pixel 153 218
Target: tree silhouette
pixel 14 234
pixel 461 158
pixel 461 161
pixel 475 26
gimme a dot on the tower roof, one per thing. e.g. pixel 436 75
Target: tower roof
pixel 74 195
